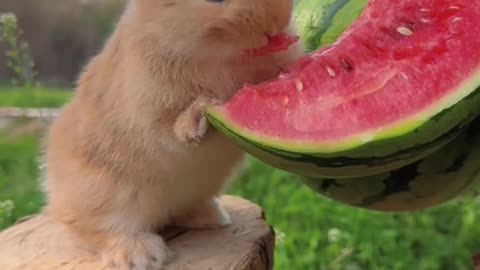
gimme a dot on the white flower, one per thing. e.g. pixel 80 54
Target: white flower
pixel 279 236
pixel 7 207
pixel 334 235
pixel 8 18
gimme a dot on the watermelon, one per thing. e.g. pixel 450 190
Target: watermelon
pixel 397 85
pixel 451 171
pixel 277 43
pixel 320 21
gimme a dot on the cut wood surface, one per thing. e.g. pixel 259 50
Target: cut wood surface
pixel 39 243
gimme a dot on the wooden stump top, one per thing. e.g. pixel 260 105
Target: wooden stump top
pixel 248 244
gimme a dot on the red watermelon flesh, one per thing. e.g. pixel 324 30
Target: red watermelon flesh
pixel 401 60
pixel 275 44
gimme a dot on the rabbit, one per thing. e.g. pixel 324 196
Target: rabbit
pixel 132 152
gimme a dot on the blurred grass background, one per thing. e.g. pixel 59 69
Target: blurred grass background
pixel 313 232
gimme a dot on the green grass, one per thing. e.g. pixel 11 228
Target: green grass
pixel 322 234
pixel 18 177
pixel 36 98
pixel 18 155
pixel 313 232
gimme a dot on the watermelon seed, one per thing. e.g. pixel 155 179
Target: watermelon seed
pixel 424 10
pixel 457 19
pixel 331 72
pixel 424 20
pixel 299 85
pixel 405 31
pixel 454 7
pixel 345 64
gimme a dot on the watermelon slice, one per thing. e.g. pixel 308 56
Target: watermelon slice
pixel 397 85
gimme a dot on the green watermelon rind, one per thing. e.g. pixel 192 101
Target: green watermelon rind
pixel 321 24
pixel 452 171
pixel 342 166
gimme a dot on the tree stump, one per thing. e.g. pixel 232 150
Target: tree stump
pixel 38 243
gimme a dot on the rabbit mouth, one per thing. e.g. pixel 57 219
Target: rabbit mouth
pixel 277 43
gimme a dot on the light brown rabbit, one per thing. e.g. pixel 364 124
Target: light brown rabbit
pixel 131 153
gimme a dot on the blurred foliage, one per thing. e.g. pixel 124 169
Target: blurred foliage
pixel 17 54
pixel 33 98
pixel 19 191
pixel 63 34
